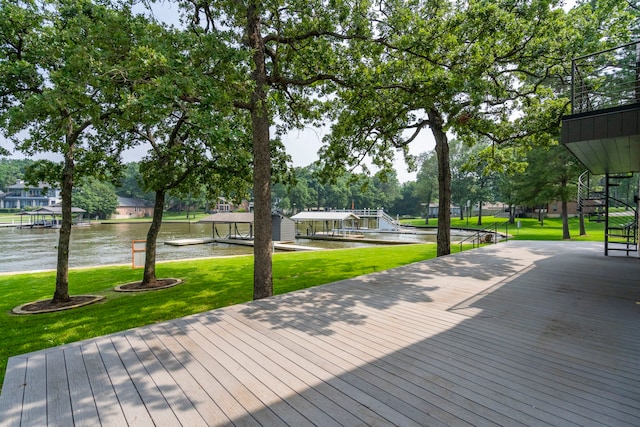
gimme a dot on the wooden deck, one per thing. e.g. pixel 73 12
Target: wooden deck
pixel 520 333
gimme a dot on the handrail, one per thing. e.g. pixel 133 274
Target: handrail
pixel 489 230
pixel 581 187
pixel 606 79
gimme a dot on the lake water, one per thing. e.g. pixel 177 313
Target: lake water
pixel 103 244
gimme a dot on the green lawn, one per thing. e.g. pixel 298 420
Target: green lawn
pixel 208 284
pixel 530 228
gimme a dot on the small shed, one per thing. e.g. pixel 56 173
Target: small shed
pixel 240 226
pixel 283 229
pixel 327 222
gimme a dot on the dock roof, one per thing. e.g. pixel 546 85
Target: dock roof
pixel 230 217
pixel 50 210
pixel 324 216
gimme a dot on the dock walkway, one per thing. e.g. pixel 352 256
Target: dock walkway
pixel 520 333
pixel 281 246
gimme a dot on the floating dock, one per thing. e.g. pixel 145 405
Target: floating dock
pixel 281 246
pixel 187 242
pixel 357 239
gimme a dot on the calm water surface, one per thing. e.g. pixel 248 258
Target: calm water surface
pixel 102 244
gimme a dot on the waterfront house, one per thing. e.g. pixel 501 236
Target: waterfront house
pixel 129 207
pixel 21 195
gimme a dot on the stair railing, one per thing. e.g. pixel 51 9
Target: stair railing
pixel 621 226
pixel 487 235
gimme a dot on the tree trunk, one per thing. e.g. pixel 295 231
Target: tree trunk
pixel 149 275
pixel 262 269
pixel 426 221
pixel 479 212
pixel 564 211
pixel 444 182
pixel 428 206
pixel 565 221
pixel 61 293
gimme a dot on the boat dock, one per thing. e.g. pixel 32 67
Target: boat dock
pixel 281 246
pixel 187 242
pixel 356 238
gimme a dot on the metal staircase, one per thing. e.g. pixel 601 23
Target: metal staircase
pixel 599 200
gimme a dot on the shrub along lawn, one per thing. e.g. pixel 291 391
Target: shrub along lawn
pixel 530 228
pixel 208 284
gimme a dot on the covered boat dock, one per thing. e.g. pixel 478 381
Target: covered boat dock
pixel 49 217
pixel 240 226
pixel 326 223
pixel 232 220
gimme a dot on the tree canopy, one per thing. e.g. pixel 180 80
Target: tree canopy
pixel 469 69
pixel 98 198
pixel 85 79
pixel 60 91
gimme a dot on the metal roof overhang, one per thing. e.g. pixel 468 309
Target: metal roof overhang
pixel 324 216
pixel 230 217
pixel 605 141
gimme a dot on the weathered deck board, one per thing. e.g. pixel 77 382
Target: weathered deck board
pixel 34 413
pixel 524 333
pixel 83 403
pixel 103 393
pixel 14 383
pixel 131 405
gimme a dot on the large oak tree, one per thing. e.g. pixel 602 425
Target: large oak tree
pixel 59 94
pixel 470 69
pixel 293 57
pixel 175 99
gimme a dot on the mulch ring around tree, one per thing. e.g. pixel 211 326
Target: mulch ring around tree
pixel 46 306
pixel 138 287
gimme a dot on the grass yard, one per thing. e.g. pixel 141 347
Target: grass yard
pixel 208 284
pixel 530 228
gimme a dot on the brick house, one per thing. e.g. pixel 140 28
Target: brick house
pixel 129 207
